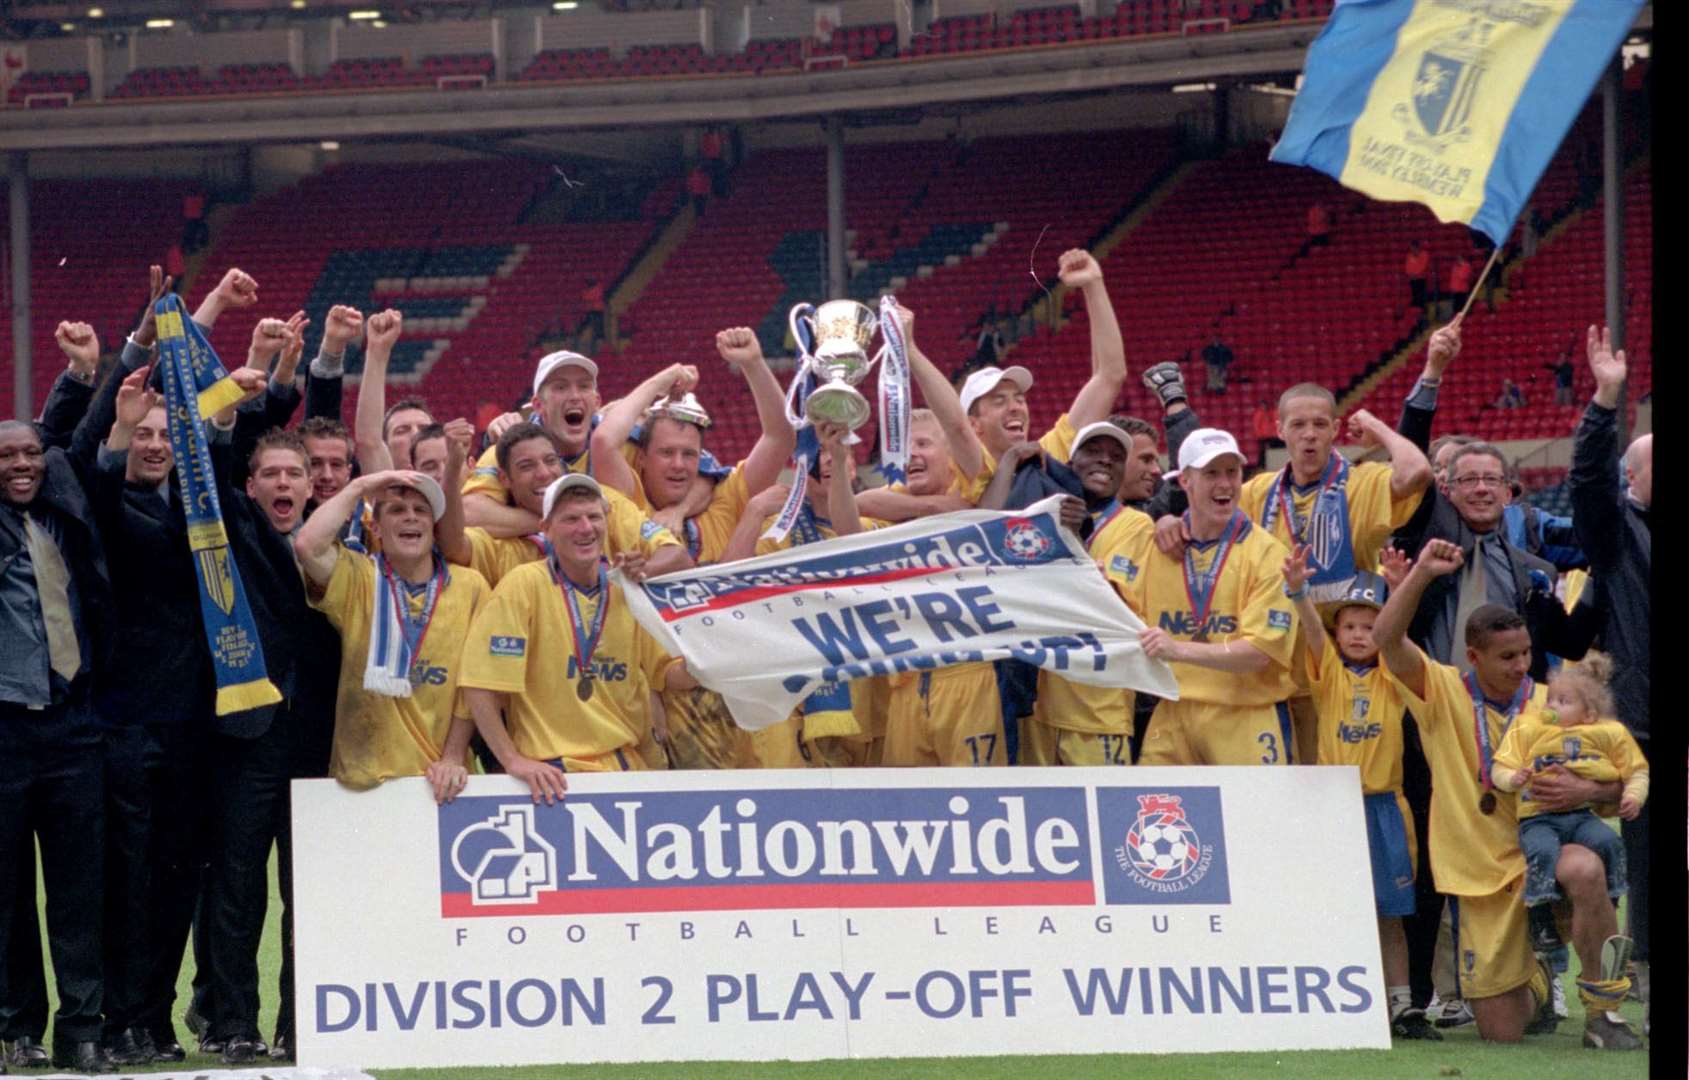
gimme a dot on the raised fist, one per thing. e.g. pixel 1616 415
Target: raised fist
pixel 237 289
pixel 738 345
pixel 268 337
pixel 1077 269
pixel 381 330
pixel 341 327
pixel 80 346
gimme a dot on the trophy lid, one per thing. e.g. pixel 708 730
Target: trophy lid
pixel 684 408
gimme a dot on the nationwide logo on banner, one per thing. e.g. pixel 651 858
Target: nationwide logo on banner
pixel 780 848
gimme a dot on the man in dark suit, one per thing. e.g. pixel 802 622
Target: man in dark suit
pixel 262 750
pixel 54 599
pixel 23 1005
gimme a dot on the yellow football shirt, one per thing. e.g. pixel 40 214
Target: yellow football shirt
pixel 377 737
pixel 708 533
pixel 1373 514
pixel 1603 751
pixel 1360 719
pixel 1248 605
pixel 521 644
pixel 1472 853
pixel 1076 706
pixel 1057 442
pixel 626 529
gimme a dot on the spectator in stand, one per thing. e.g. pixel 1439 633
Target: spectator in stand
pixel 1217 356
pixel 1459 283
pixel 592 298
pixel 1616 531
pixel 1319 226
pixel 1417 267
pixel 710 149
pixel 1263 424
pixel 698 187
pixel 990 346
pixel 1511 397
pixel 1564 373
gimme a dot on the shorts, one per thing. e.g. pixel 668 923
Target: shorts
pixel 1492 946
pixel 948 716
pixel 702 733
pixel 787 746
pixel 1541 838
pixel 1201 733
pixel 1046 744
pixel 1390 842
pixel 625 759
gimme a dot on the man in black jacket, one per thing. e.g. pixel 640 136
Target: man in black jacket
pixel 54 596
pixel 262 750
pixel 1615 530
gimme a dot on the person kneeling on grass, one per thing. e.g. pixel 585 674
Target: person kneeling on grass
pixel 1577 735
pixel 1360 723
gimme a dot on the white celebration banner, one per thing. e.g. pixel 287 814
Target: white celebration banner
pixel 799 915
pixel 957 588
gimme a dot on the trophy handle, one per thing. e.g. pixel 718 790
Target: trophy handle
pixel 801 321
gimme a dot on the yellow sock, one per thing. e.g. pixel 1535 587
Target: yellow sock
pixel 1540 989
pixel 1600 996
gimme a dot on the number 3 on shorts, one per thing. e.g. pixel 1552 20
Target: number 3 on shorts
pixel 1270 741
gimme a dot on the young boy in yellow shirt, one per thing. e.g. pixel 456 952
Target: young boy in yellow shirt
pixel 1360 723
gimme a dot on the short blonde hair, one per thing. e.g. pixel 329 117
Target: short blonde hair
pixel 1591 679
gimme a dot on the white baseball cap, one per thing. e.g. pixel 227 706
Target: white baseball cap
pixel 564 483
pixel 562 358
pixel 427 488
pixel 1202 446
pixel 985 380
pixel 1103 429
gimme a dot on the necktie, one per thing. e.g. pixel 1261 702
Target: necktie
pixel 52 582
pixel 1474 594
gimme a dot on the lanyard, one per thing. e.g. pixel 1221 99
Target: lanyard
pixel 585 638
pixel 1481 729
pixel 1296 527
pixel 1103 518
pixel 1200 587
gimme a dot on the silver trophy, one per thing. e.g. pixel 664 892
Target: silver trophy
pixel 842 331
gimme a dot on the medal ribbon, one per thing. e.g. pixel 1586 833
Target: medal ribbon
pixel 1335 470
pixel 585 640
pixel 1200 587
pixel 414 628
pixel 1103 518
pixel 1481 730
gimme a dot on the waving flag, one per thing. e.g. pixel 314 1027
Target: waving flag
pixel 1457 104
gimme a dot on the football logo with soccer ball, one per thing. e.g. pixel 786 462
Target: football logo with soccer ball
pixel 1025 541
pixel 1162 849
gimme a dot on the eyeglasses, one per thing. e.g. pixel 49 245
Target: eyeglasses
pixel 1469 483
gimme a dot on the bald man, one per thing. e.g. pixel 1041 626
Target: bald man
pixel 1614 527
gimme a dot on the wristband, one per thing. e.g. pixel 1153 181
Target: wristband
pixel 1430 384
pixel 1297 595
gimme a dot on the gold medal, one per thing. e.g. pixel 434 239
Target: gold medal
pixel 1486 804
pixel 583 689
pixel 1200 637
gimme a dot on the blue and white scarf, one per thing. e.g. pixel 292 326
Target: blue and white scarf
pixel 395 635
pixel 1331 552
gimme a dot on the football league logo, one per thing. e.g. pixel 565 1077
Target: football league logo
pixel 504 858
pixel 1025 541
pixel 1161 845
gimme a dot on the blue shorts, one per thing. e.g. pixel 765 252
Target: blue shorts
pixel 1392 859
